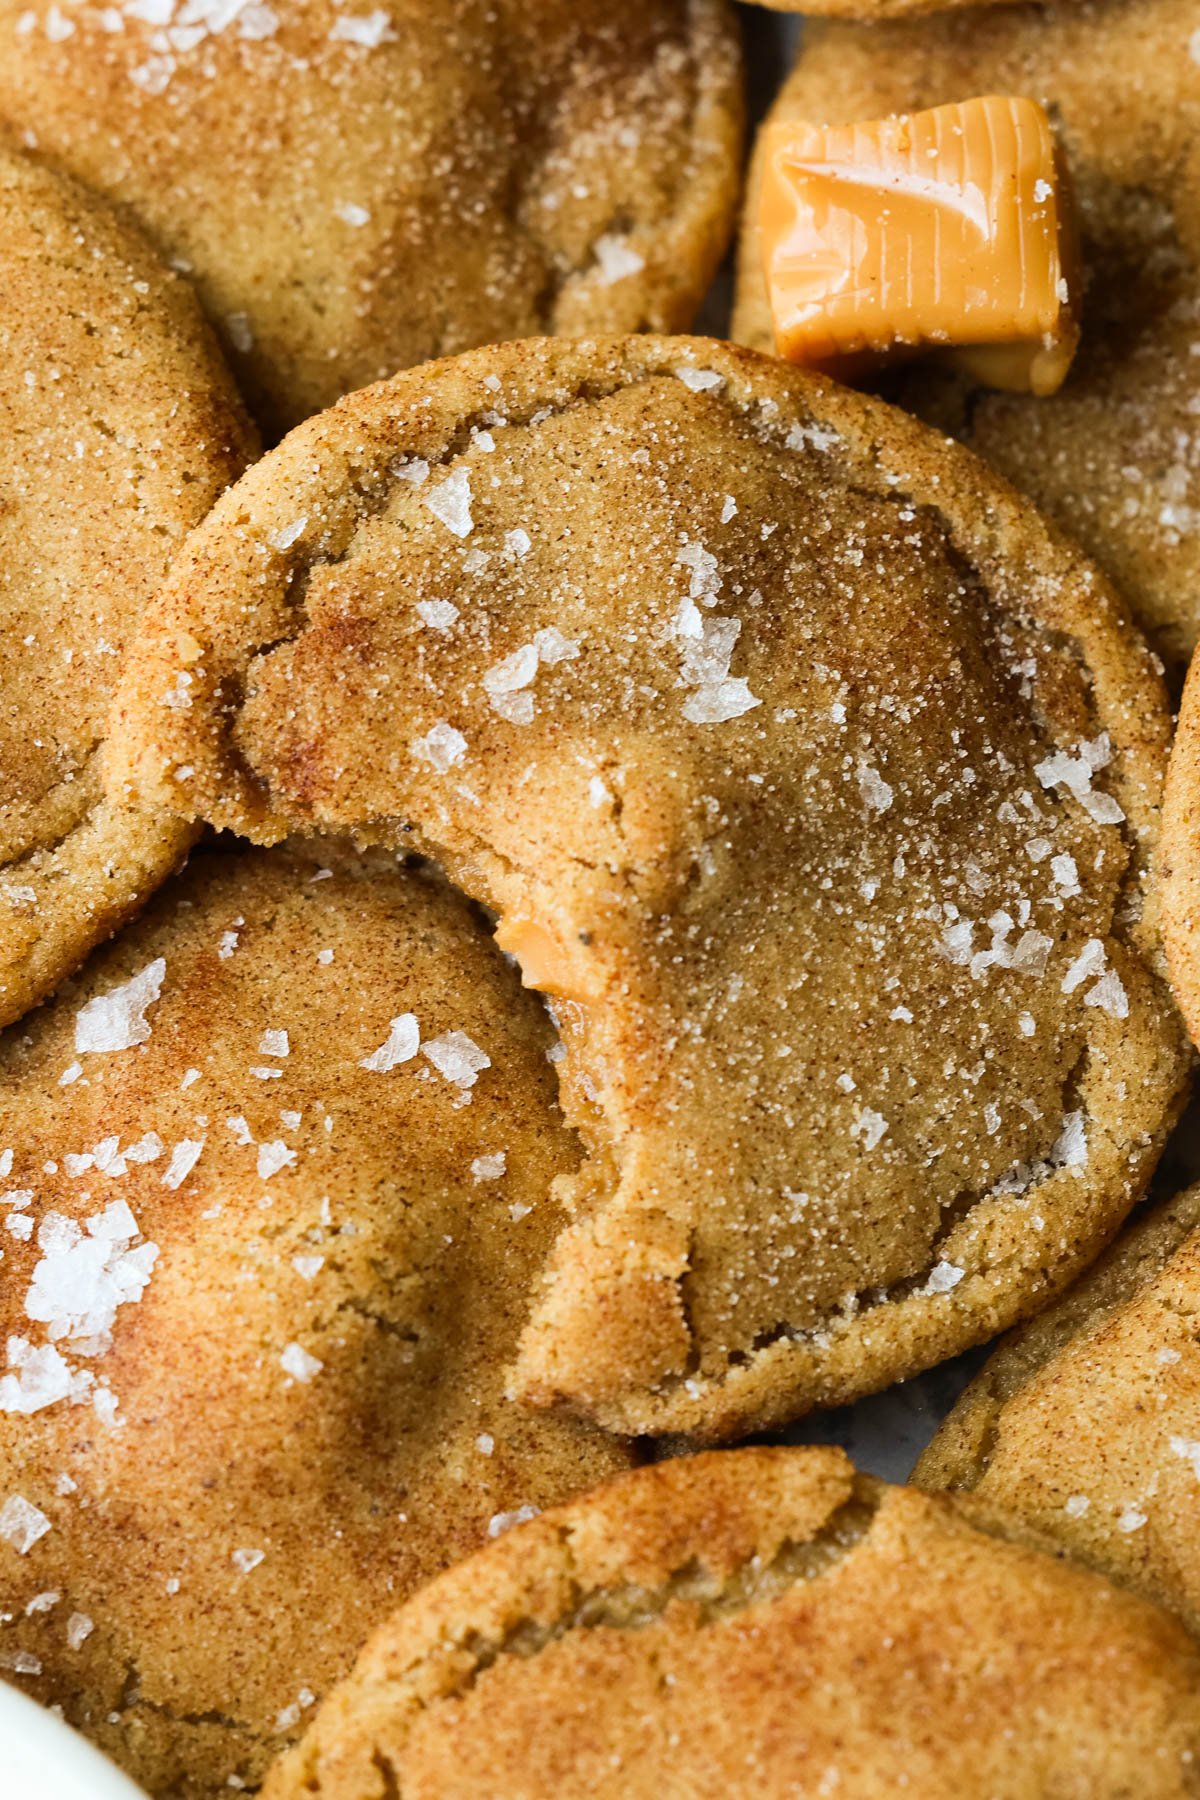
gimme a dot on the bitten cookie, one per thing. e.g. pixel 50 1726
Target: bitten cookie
pixel 810 774
pixel 277 1177
pixel 355 188
pixel 119 427
pixel 1086 1424
pixel 1114 456
pixel 762 1621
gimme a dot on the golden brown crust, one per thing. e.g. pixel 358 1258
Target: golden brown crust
pixel 1181 857
pixel 1086 1423
pixel 119 427
pixel 763 1611
pixel 1109 457
pixel 750 884
pixel 357 189
pixel 286 1402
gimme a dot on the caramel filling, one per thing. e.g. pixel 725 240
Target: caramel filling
pixel 949 230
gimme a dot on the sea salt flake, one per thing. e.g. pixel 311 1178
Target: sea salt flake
pixel 308 1267
pixel 284 538
pixel 874 789
pixel 439 615
pixel 870 1126
pixel 617 259
pixel 351 214
pixel 450 502
pixel 713 705
pixel 38 1377
pixel 21 1524
pixel 699 380
pixel 490 1168
pixel 553 647
pixel 442 747
pixel 942 1277
pixel 116 1020
pixel 245 1560
pixel 272 1157
pixel 274 1043
pixel 1069 1150
pixel 184 1158
pixel 1076 1506
pixel 237 324
pixel 299 1364
pixel 518 543
pixel 1109 995
pixel 79 1628
pixel 1092 960
pixel 368 30
pixel 504 1521
pixel 1189 1449
pixel 1132 1519
pixel 43 1603
pixel 1074 773
pixel 457 1058
pixel 516 671
pixel 400 1046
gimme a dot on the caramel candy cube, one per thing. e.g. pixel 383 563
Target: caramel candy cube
pixel 949 228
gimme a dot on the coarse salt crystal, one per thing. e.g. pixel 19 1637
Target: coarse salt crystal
pixel 942 1277
pixel 245 1560
pixel 442 747
pixel 1132 1519
pixel 439 615
pixel 699 380
pixel 116 1020
pixel 274 1043
pixel 184 1158
pixel 79 1628
pixel 457 1058
pixel 616 259
pixel 21 1524
pixel 870 1126
pixel 1076 1506
pixel 504 1521
pixel 400 1046
pixel 367 30
pixel 299 1364
pixel 272 1157
pixel 490 1168
pixel 450 502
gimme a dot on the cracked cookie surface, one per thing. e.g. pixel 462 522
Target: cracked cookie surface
pixel 119 427
pixel 354 191
pixel 809 773
pixel 277 1178
pixel 1086 1424
pixel 762 1619
pixel 1114 456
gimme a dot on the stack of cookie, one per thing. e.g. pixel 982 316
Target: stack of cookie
pixel 603 892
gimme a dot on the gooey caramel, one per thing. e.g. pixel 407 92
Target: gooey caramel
pixel 949 229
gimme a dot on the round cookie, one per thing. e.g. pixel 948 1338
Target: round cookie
pixel 263 1268
pixel 1114 456
pixel 766 1621
pixel 810 774
pixel 355 189
pixel 1181 857
pixel 119 427
pixel 1086 1423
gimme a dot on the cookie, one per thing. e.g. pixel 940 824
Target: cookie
pixel 355 189
pixel 1181 858
pixel 119 427
pixel 278 1175
pixel 1086 1424
pixel 765 1620
pixel 1113 457
pixel 809 773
